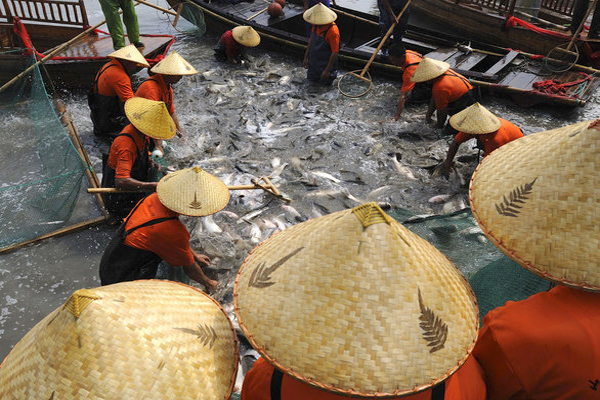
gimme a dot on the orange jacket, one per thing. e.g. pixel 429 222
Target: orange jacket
pixel 466 384
pixel 123 152
pixel 169 240
pixel 411 62
pixel 543 347
pixel 491 141
pixel 155 88
pixel 449 87
pixel 114 81
pixel 332 37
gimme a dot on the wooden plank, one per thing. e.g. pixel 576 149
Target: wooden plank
pixel 503 63
pixel 442 54
pixel 520 80
pixel 470 61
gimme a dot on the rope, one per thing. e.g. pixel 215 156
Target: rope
pixel 513 21
pixel 552 86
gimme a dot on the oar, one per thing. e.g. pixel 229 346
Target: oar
pixel 361 76
pixel 257 14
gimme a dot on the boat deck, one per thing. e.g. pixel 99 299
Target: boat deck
pixel 256 11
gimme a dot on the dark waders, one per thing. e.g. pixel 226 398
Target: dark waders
pixel 122 263
pixel 107 112
pixel 318 58
pixel 466 100
pixel 119 204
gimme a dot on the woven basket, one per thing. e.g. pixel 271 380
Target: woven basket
pixel 356 304
pixel 132 340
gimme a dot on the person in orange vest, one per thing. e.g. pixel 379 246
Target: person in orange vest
pixel 451 92
pixel 408 61
pixel 536 199
pixel 128 164
pixel 231 47
pixel 159 86
pixel 111 89
pixel 353 304
pixel 323 46
pixel 153 232
pixel 476 122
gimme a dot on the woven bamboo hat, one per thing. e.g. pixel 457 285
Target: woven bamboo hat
pixel 150 117
pixel 193 192
pixel 246 36
pixel 537 199
pixel 319 14
pixel 475 120
pixel 429 69
pixel 354 303
pixel 174 64
pixel 131 340
pixel 130 53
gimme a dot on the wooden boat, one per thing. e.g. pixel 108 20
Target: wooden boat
pixel 501 23
pixel 492 68
pixel 50 23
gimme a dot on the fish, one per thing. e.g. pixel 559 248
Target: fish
pixel 210 226
pixel 402 169
pixel 292 214
pixel 280 223
pixel 453 205
pixel 229 214
pixel 252 214
pixel 255 233
pixel 379 190
pixel 284 80
pixel 440 198
pixel 326 175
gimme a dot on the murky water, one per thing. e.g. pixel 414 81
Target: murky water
pixel 323 150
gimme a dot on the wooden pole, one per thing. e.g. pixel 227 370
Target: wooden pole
pixel 176 19
pixel 356 17
pixel 257 14
pixel 60 232
pixel 65 118
pixel 158 7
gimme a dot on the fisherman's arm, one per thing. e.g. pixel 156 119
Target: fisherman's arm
pixel 330 64
pixel 305 62
pixel 123 179
pixel 430 110
pixel 441 113
pixel 134 184
pixel 449 157
pixel 401 104
pixel 194 272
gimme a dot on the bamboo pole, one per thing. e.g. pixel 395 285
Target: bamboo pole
pixel 65 118
pixel 158 7
pixel 59 232
pixel 355 16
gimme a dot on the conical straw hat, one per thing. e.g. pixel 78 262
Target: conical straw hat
pixel 429 69
pixel 193 192
pixel 130 53
pixel 150 117
pixel 174 64
pixel 246 36
pixel 132 340
pixel 537 199
pixel 319 15
pixel 355 303
pixel 475 120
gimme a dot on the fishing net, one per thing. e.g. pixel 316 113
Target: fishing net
pixel 194 16
pixel 40 170
pixel 494 277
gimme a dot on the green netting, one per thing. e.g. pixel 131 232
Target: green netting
pixel 195 16
pixel 494 277
pixel 40 170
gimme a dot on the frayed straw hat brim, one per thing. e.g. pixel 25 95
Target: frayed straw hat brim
pixel 193 192
pixel 354 303
pixel 246 36
pixel 135 340
pixel 174 64
pixel 429 69
pixel 150 117
pixel 130 53
pixel 319 14
pixel 537 198
pixel 475 120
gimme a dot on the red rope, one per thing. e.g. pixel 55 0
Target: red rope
pixel 552 86
pixel 513 21
pixel 21 31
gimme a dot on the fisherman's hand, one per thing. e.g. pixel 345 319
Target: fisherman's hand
pixel 202 259
pixel 305 63
pixel 325 75
pixel 211 285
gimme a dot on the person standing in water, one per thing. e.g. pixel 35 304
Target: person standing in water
pixel 323 46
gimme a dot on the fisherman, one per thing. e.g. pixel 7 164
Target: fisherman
pixel 537 200
pixel 580 8
pixel 388 12
pixel 407 60
pixel 477 122
pixel 128 164
pixel 451 92
pixel 323 46
pixel 110 9
pixel 311 3
pixel 232 45
pixel 158 86
pixel 356 336
pixel 153 232
pixel 111 89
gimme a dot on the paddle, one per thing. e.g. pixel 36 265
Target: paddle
pixel 556 56
pixel 353 79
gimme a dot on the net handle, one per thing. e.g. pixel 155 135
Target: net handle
pixel 388 33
